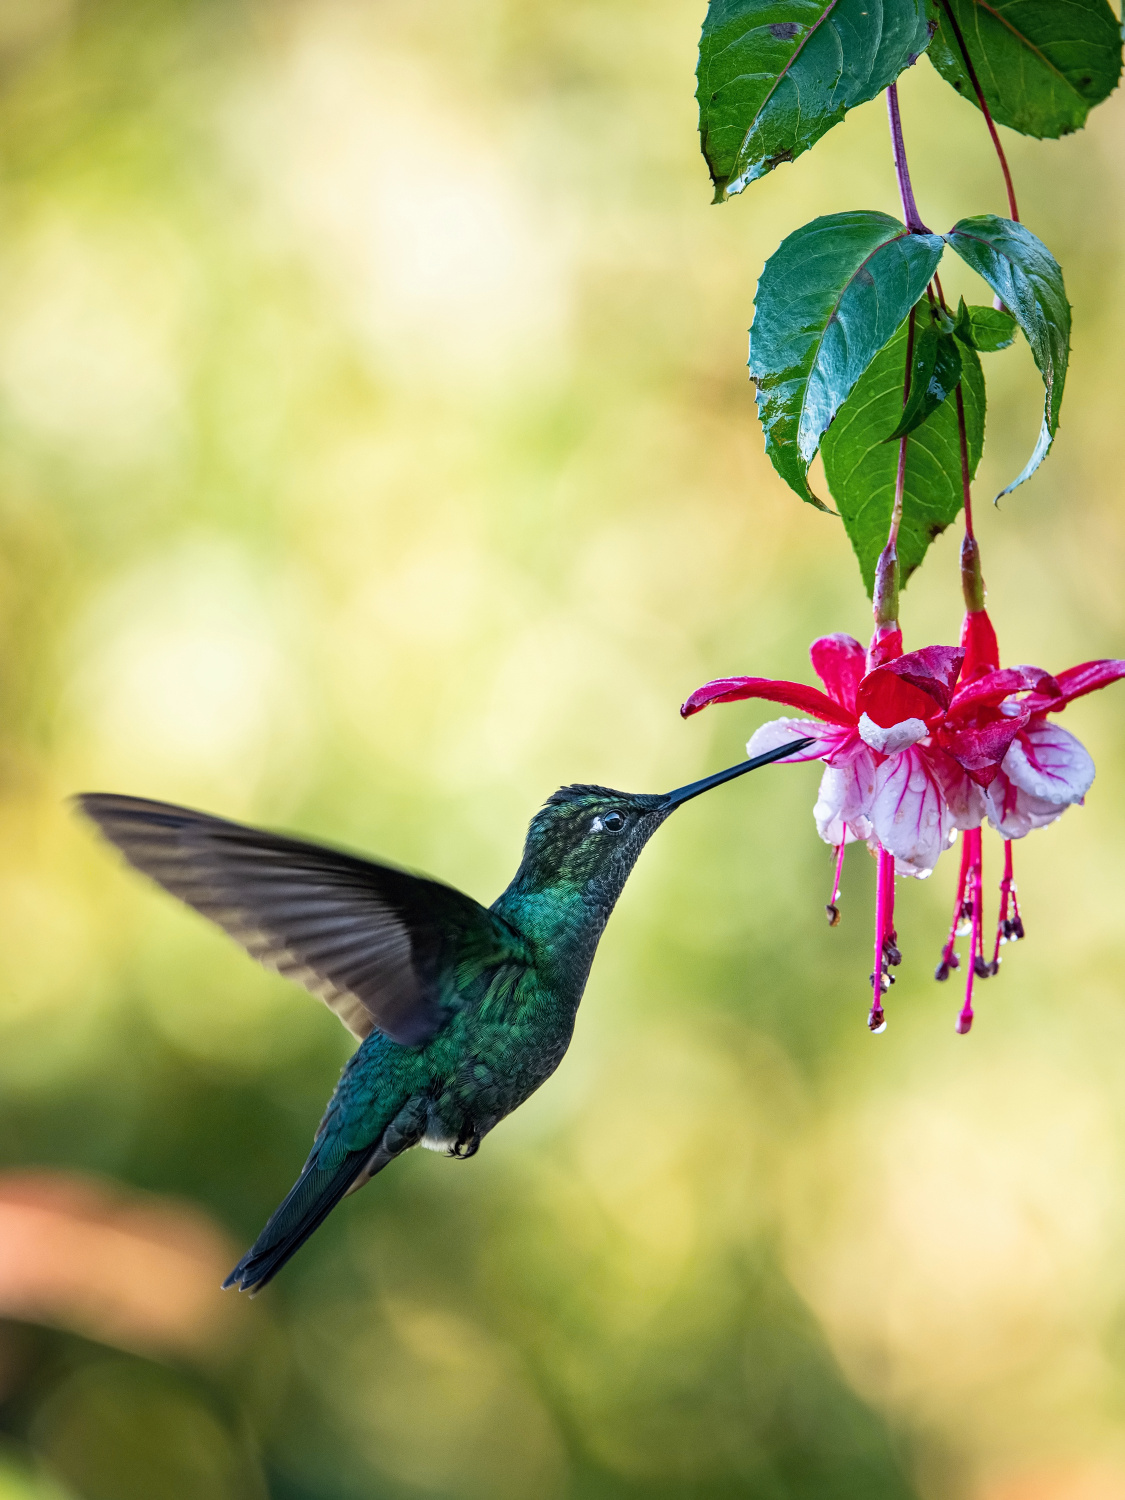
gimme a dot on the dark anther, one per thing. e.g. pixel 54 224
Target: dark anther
pixel 832 912
pixel 941 973
pixel 966 911
pixel 891 955
pixel 1017 929
pixel 876 1018
pixel 982 969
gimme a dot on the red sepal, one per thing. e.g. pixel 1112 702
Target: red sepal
pixel 795 694
pixel 840 662
pixel 982 653
pixel 1088 677
pixel 995 686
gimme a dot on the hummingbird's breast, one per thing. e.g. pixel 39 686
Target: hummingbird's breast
pixel 495 1054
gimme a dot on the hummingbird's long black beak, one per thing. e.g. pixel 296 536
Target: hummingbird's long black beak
pixel 693 789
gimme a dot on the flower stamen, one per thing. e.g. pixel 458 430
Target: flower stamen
pixel 977 969
pixel 1009 928
pixel 832 910
pixel 949 959
pixel 887 955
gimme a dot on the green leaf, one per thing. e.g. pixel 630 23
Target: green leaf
pixel 985 329
pixel 830 297
pixel 935 369
pixel 862 466
pixel 774 75
pixel 1042 64
pixel 1028 280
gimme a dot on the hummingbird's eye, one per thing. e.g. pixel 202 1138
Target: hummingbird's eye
pixel 613 822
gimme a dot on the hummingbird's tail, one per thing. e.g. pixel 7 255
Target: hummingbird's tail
pixel 327 1176
pixel 306 1206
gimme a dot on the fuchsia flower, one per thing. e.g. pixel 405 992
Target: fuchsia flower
pixel 913 753
pixel 907 756
pixel 1045 770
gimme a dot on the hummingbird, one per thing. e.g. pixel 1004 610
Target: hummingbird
pixel 461 1010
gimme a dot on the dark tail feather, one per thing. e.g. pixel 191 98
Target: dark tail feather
pixel 318 1190
pixel 309 1202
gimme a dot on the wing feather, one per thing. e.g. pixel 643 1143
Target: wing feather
pixel 366 938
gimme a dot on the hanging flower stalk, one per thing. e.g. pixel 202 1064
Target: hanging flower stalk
pixel 855 354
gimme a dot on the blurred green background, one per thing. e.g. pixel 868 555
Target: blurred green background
pixel 377 454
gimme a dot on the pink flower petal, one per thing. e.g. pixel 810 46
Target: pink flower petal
pixel 795 694
pixel 1089 676
pixel 843 800
pixel 826 739
pixel 897 737
pixel 1014 813
pixel 1047 762
pixel 918 685
pixel 909 812
pixel 840 662
pixel 963 797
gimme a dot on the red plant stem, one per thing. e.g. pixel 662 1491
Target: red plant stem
pixel 975 81
pixel 966 487
pixel 900 477
pixel 902 170
pixel 885 591
pixel 900 486
pixel 972 583
pixel 909 356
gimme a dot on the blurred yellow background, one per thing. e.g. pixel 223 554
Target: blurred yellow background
pixel 378 454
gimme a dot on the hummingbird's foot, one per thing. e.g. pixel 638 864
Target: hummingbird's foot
pixel 467 1144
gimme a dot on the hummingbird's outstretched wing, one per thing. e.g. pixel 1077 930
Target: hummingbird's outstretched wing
pixel 369 940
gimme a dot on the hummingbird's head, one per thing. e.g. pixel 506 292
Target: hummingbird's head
pixel 587 834
pixel 588 837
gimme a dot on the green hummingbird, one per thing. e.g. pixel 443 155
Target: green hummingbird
pixel 461 1010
